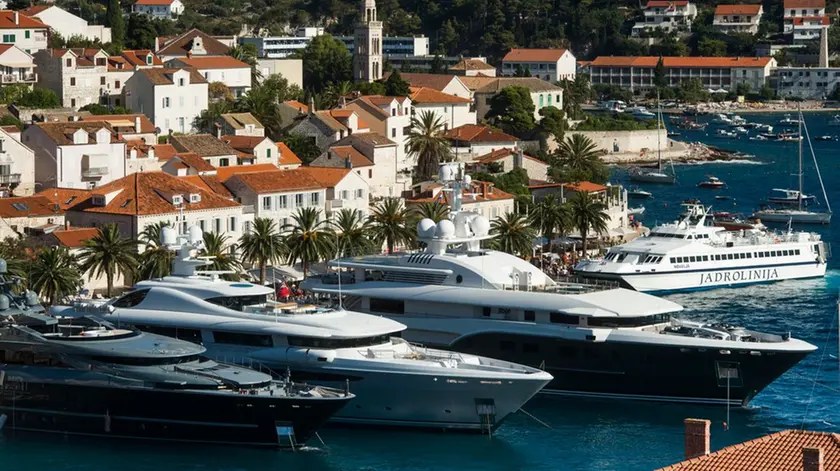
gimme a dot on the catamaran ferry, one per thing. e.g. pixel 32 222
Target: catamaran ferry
pixel 688 254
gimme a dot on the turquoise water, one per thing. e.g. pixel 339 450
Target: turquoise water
pixel 584 434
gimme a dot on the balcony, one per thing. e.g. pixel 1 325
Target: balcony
pixel 9 179
pixel 334 204
pixel 20 78
pixel 93 172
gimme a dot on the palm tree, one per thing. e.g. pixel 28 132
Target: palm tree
pixel 217 246
pixel 550 215
pixel 436 211
pixel 578 158
pixel 352 233
pixel 263 245
pixel 262 103
pixel 310 238
pixel 155 260
pixel 514 235
pixel 335 92
pixel 54 274
pixel 389 223
pixel 588 213
pixel 248 55
pixel 427 144
pixel 109 253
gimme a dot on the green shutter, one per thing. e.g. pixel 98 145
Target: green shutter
pixel 26 33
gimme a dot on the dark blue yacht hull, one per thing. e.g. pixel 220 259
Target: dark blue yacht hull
pixel 54 400
pixel 614 370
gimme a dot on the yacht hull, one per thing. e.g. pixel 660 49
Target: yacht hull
pixel 796 217
pixel 83 403
pixel 431 400
pixel 641 371
pixel 675 280
pixel 651 178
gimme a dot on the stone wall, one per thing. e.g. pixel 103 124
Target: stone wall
pixel 620 141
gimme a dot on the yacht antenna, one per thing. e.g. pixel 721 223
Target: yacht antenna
pixel 338 263
pixel 816 166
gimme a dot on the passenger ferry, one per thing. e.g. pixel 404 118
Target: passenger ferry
pixel 688 254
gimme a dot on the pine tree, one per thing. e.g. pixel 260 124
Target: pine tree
pixel 114 20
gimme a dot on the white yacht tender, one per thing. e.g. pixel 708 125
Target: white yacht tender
pixel 396 383
pixel 688 254
pixel 596 339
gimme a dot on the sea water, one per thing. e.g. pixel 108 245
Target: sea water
pixel 580 434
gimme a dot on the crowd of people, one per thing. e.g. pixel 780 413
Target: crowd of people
pixel 556 265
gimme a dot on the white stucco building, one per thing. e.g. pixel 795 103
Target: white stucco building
pixel 225 69
pixel 453 110
pixel 810 83
pixel 666 15
pixel 161 9
pixel 471 141
pixel 67 24
pixel 17 164
pixel 27 33
pixel 738 18
pixel 374 158
pixel 171 98
pixel 327 126
pixel 345 189
pixel 388 116
pixel 805 20
pixel 552 65
pixel 482 197
pixel 16 66
pixel 76 154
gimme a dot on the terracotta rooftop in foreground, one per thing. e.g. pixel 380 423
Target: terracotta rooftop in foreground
pixel 75 238
pixel 587 187
pixel 737 9
pixel 207 62
pixel 534 55
pixel 326 176
pixel 64 197
pixel 476 133
pixel 287 156
pixel 7 21
pixel 780 451
pixel 472 64
pixel 224 173
pixel 804 4
pixel 278 181
pixel 424 95
pixel 28 206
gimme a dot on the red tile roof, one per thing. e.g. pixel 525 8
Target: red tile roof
pixel 244 143
pixel 287 157
pixel 780 451
pixel 500 154
pixel 138 57
pixel 224 173
pixel 429 95
pixel 357 159
pixel 433 81
pixel 297 105
pixel 116 121
pixel 209 183
pixel 180 45
pixel 278 181
pixel 534 55
pixel 7 21
pixel 737 10
pixel 75 238
pixel 35 9
pixel 142 193
pixel 651 61
pixel 666 3
pixel 800 20
pixel 28 206
pixel 804 4
pixel 472 64
pixel 476 133
pixel 64 197
pixel 194 161
pixel 587 187
pixel 220 62
pixel 328 177
pixel 162 151
pixel 61 133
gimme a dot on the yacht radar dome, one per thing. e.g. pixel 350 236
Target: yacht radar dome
pixel 3 266
pixel 196 236
pixel 426 228
pixel 4 302
pixel 445 229
pixel 168 236
pixel 480 226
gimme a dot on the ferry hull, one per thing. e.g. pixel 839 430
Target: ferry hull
pixel 425 401
pixel 672 281
pixel 651 372
pixel 83 403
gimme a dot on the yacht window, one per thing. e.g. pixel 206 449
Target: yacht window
pixel 530 316
pixel 190 335
pixel 692 259
pixel 485 311
pixel 238 303
pixel 730 256
pixel 236 338
pixel 146 361
pixel 507 345
pixel 330 343
pixel 767 254
pixel 717 257
pixel 131 299
pixel 705 236
pixel 621 257
pixel 628 321
pixel 560 318
pixel 530 348
pixel 796 251
pixel 785 253
pixel 391 306
pixel 761 254
pixel 749 255
pixel 672 260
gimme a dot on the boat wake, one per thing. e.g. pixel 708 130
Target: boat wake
pixel 733 161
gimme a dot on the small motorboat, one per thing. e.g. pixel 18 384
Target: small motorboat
pixel 724 134
pixel 640 112
pixel 738 223
pixel 740 130
pixel 721 119
pixel 760 137
pixel 788 120
pixel 676 134
pixel 789 137
pixel 763 127
pixel 712 182
pixel 825 138
pixel 637 211
pixel 639 193
pixel 722 197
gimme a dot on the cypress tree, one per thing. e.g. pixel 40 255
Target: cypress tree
pixel 114 20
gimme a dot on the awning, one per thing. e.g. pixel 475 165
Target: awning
pixel 287 273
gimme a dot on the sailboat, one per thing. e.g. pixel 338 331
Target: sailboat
pixel 801 213
pixel 659 175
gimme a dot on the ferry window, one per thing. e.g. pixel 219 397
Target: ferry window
pixel 560 318
pixel 705 258
pixel 190 335
pixel 692 259
pixel 717 257
pixel 238 303
pixel 749 255
pixel 530 316
pixel 530 348
pixel 392 306
pixel 767 254
pixel 131 299
pixel 730 256
pixel 760 254
pixel 236 338
pixel 485 311
pixel 507 345
pixel 796 251
pixel 785 253
pixel 672 260
pixel 311 342
pixel 621 257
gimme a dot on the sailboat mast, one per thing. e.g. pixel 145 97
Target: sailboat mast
pixel 658 132
pixel 800 156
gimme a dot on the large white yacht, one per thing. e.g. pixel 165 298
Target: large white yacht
pixel 596 339
pixel 396 383
pixel 688 254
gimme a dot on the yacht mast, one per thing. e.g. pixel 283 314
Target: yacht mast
pixel 658 132
pixel 799 109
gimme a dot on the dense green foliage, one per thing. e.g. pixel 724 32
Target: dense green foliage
pixel 616 122
pixel 512 110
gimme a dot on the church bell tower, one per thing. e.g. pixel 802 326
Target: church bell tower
pixel 367 45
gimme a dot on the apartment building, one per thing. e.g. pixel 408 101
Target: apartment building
pixel 738 18
pixel 543 94
pixel 452 110
pixel 17 164
pixel 27 33
pixel 551 65
pixel 637 73
pixel 171 98
pixel 159 9
pixel 805 20
pixel 809 83
pixel 234 73
pixel 16 66
pixel 279 47
pixel 667 16
pixel 67 24
pixel 193 43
